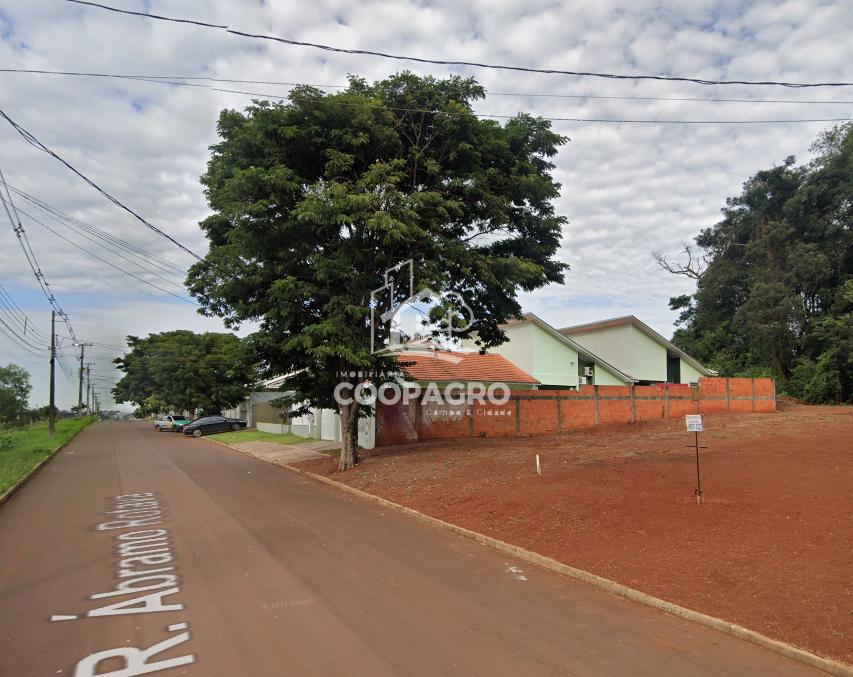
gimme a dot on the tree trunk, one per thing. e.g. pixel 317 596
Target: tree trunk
pixel 349 436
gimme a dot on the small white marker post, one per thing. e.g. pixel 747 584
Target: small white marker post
pixel 538 466
pixel 694 425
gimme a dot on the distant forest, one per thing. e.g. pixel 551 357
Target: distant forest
pixel 774 278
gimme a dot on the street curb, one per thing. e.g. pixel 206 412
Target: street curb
pixel 828 665
pixel 11 491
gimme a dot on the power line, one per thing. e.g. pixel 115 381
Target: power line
pixel 188 81
pixel 19 341
pixel 23 358
pixel 14 312
pixel 61 218
pixel 498 116
pixel 104 261
pixel 447 62
pixel 72 222
pixel 33 141
pixel 29 254
pixel 64 367
pixel 109 345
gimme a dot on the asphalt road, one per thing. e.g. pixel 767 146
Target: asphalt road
pixel 253 570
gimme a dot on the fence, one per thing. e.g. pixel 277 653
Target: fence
pixel 544 412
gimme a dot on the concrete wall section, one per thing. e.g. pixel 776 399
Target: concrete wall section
pixel 273 428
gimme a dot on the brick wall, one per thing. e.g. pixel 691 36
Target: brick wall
pixel 543 412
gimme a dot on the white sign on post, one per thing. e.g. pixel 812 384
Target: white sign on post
pixel 694 423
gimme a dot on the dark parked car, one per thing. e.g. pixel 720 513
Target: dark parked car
pixel 212 424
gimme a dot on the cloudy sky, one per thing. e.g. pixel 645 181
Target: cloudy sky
pixel 628 188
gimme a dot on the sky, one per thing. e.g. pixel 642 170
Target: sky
pixel 627 189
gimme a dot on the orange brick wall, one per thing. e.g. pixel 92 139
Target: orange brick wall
pixel 543 412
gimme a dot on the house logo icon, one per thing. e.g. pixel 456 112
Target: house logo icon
pixel 457 317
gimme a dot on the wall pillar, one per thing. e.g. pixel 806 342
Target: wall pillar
pixel 518 414
pixel 728 395
pixel 559 414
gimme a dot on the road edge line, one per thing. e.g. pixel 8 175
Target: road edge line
pixel 828 665
pixel 11 491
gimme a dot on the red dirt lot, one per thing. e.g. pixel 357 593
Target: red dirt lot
pixel 771 548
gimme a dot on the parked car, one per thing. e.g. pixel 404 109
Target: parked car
pixel 212 424
pixel 180 423
pixel 174 423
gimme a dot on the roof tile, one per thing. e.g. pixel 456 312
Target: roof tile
pixel 444 366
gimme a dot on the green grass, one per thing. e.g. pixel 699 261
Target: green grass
pixel 252 435
pixel 21 449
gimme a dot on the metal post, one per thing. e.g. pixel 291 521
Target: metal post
pixel 51 425
pixel 698 479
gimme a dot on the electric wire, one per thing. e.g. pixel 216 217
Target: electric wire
pixel 33 141
pixel 449 62
pixel 17 316
pixel 19 341
pixel 29 254
pixel 159 262
pixel 499 116
pixel 187 81
pixel 102 260
pixel 62 366
pixel 101 244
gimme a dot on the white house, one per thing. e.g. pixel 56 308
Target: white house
pixel 555 360
pixel 636 349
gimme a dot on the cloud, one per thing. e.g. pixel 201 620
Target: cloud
pixel 627 189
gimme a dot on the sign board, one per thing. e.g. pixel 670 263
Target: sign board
pixel 694 423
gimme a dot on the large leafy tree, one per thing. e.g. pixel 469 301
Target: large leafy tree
pixel 182 370
pixel 776 294
pixel 315 198
pixel 14 392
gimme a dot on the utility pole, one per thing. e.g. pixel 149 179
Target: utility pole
pixel 51 425
pixel 88 389
pixel 80 384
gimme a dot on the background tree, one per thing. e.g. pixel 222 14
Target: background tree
pixel 774 292
pixel 14 392
pixel 315 198
pixel 185 371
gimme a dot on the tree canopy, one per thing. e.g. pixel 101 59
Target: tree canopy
pixel 776 295
pixel 315 198
pixel 185 371
pixel 14 392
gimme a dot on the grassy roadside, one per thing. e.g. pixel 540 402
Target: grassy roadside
pixel 252 435
pixel 21 449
